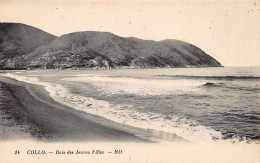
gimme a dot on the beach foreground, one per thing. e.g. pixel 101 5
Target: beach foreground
pixel 47 120
pixel 217 104
pixel 36 116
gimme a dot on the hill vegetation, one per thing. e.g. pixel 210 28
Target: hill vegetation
pixel 25 47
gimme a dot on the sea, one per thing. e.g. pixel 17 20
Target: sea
pixel 197 104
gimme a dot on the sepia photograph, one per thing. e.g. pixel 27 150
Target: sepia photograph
pixel 129 81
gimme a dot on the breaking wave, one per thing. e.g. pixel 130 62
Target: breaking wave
pixel 127 114
pixel 212 77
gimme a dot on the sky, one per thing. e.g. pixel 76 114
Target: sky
pixel 227 30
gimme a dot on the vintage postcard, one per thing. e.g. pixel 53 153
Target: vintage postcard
pixel 129 81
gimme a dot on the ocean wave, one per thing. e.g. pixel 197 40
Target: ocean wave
pixel 143 87
pixel 211 84
pixel 247 88
pixel 127 114
pixel 212 77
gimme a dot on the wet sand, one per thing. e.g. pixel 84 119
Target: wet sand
pixel 31 107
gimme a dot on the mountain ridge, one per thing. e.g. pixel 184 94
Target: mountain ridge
pixel 95 49
pixel 17 39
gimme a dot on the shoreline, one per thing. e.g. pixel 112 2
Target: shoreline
pixel 49 120
pixel 82 100
pixel 135 147
pixel 118 68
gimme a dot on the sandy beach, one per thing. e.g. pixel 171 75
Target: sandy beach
pixel 33 120
pixel 49 120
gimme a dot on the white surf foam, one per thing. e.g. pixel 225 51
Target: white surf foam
pixel 126 114
pixel 122 85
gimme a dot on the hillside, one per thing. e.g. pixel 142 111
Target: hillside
pixel 105 50
pixel 18 39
